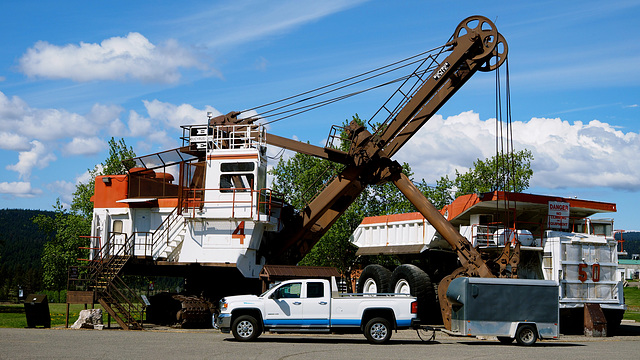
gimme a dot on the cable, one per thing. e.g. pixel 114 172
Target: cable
pixel 333 87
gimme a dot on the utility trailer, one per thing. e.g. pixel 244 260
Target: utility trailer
pixel 520 309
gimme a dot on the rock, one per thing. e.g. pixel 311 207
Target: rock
pixel 88 319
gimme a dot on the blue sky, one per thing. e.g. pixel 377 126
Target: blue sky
pixel 75 73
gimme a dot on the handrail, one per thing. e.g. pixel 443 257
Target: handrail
pixel 165 227
pixel 194 198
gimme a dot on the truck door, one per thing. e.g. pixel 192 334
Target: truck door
pixel 315 305
pixel 284 307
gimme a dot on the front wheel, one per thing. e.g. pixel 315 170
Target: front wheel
pixel 526 335
pixel 245 328
pixel 378 331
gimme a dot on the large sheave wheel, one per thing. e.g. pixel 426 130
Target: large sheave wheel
pixel 374 279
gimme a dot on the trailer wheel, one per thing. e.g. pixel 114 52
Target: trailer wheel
pixel 378 331
pixel 374 279
pixel 245 328
pixel 410 279
pixel 505 339
pixel 526 335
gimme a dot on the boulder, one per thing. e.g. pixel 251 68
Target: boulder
pixel 89 319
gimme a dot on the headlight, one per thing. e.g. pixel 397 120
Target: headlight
pixel 223 305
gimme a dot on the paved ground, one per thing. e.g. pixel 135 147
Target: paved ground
pixel 168 343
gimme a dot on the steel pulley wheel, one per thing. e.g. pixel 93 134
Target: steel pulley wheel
pixel 484 28
pixel 498 55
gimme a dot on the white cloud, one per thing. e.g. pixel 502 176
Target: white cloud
pixel 17 117
pixel 177 115
pixel 85 146
pixel 138 124
pixel 566 155
pixel 116 58
pixel 39 156
pixel 64 189
pixel 11 141
pixel 19 189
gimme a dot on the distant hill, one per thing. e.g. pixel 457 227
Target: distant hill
pixel 21 244
pixel 631 243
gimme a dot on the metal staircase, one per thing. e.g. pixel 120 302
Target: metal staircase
pixel 168 237
pixel 104 272
pixel 118 299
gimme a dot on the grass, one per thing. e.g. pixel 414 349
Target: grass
pixel 632 299
pixel 13 315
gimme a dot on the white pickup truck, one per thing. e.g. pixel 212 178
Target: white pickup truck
pixel 314 305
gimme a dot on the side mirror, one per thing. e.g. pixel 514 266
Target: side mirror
pixel 275 295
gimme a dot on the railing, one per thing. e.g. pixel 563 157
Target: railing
pixel 499 234
pixel 247 199
pixel 118 295
pixel 164 230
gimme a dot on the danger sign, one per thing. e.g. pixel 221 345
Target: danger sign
pixel 558 215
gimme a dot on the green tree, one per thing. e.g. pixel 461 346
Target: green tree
pixel 504 172
pixel 117 163
pixel 63 247
pixel 301 177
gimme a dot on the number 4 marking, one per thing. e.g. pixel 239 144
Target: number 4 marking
pixel 238 233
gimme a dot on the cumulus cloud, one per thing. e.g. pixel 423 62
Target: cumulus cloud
pixel 566 154
pixel 11 141
pixel 17 117
pixel 116 58
pixel 64 189
pixel 19 189
pixel 38 157
pixel 177 115
pixel 85 146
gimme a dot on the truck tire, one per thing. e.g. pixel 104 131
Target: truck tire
pixel 526 335
pixel 245 328
pixel 374 279
pixel 410 279
pixel 377 330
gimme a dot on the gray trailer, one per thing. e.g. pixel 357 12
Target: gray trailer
pixel 520 309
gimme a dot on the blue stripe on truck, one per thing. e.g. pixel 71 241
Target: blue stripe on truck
pixel 345 322
pixel 296 322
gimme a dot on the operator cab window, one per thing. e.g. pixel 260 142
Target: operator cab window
pixel 236 177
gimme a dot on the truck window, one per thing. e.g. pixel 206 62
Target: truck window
pixel 290 291
pixel 315 290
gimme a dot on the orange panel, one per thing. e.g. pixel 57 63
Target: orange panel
pixel 109 189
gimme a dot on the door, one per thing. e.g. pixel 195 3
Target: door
pixel 284 306
pixel 315 304
pixel 142 228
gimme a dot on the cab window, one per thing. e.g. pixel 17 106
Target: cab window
pixel 315 290
pixel 289 291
